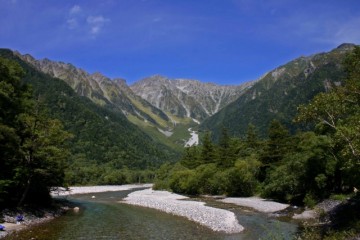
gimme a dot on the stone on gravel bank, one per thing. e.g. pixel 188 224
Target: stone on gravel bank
pixel 213 218
pixel 259 204
pixel 325 206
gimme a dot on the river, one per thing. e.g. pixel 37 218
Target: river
pixel 103 217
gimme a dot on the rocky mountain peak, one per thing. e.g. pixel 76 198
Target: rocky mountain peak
pixel 120 81
pixel 187 97
pixel 346 46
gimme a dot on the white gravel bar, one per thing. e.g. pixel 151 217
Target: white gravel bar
pixel 259 204
pixel 216 219
pixel 96 189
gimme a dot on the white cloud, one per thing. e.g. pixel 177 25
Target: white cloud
pixel 75 10
pixel 73 18
pixel 96 23
pixel 83 21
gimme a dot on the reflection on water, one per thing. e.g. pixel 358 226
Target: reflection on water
pixel 103 217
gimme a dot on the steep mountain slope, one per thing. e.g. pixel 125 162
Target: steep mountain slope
pixel 103 91
pixel 187 98
pixel 103 138
pixel 279 92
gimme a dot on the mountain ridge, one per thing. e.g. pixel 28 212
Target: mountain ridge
pixel 187 102
pixel 102 90
pixel 279 92
pixel 187 97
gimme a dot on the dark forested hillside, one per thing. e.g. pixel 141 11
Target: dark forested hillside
pixel 32 145
pixel 103 142
pixel 278 93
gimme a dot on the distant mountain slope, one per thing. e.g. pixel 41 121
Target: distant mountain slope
pixel 279 92
pixel 103 91
pixel 187 98
pixel 103 137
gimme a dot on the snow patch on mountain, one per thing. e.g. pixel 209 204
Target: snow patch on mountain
pixel 166 133
pixel 196 121
pixel 194 139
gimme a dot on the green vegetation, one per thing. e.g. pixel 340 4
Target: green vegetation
pixel 179 136
pixel 32 145
pixel 303 168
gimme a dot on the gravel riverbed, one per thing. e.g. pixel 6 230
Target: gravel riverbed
pixel 213 218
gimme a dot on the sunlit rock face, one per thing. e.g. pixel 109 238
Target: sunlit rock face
pixel 187 98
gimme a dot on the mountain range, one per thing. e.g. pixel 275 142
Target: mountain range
pixel 163 108
pixel 166 108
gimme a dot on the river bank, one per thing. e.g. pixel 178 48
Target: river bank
pixel 96 189
pixel 31 216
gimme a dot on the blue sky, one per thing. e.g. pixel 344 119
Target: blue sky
pixel 221 41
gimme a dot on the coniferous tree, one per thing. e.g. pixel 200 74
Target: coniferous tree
pixel 277 144
pixel 190 157
pixel 251 139
pixel 208 150
pixel 226 158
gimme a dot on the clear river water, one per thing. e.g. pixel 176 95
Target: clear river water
pixel 104 217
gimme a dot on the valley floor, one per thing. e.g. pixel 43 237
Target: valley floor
pixel 213 218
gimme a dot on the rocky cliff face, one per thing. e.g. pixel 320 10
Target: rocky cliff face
pixel 187 98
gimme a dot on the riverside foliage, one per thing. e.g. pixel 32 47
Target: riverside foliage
pixel 302 168
pixel 32 145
